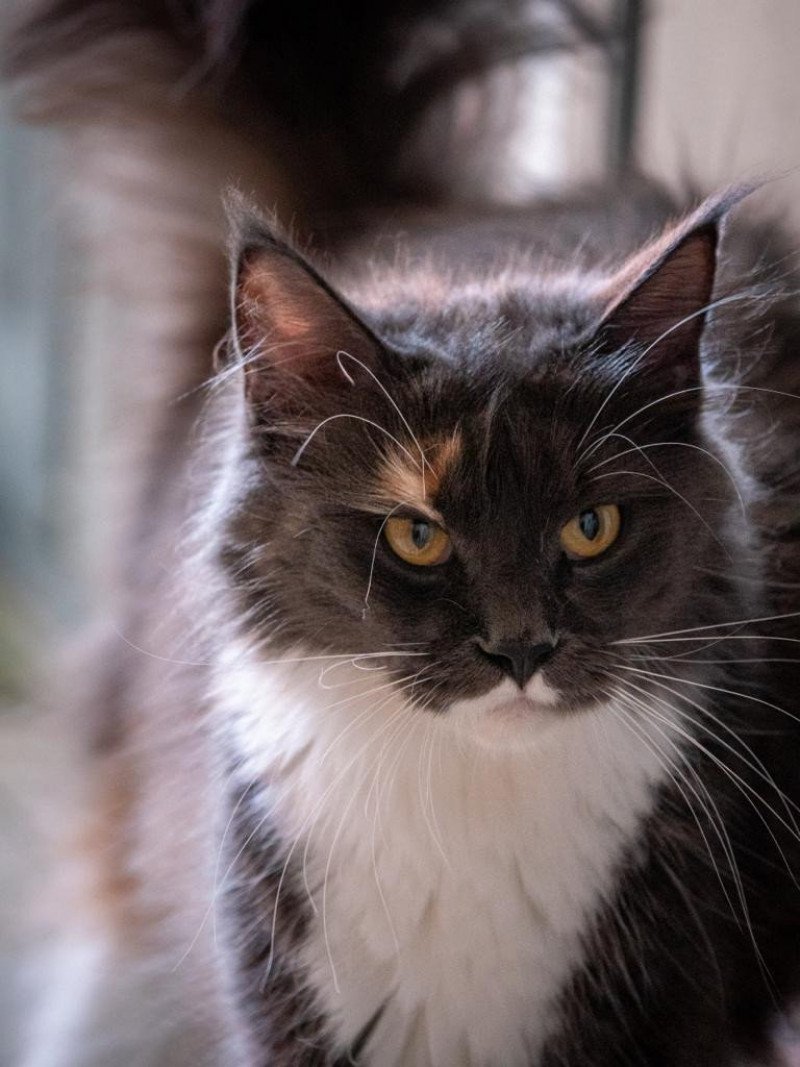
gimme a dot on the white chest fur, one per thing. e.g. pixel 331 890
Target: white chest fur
pixel 450 881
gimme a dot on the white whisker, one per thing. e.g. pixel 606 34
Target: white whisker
pixel 709 388
pixel 358 418
pixel 709 626
pixel 714 689
pixel 375 555
pixel 751 761
pixel 672 444
pixel 384 390
pixel 680 779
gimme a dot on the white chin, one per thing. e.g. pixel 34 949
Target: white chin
pixel 507 717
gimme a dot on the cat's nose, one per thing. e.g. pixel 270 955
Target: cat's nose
pixel 519 659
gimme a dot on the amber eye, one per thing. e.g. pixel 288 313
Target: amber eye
pixel 591 532
pixel 417 541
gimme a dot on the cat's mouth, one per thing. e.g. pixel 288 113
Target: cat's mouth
pixel 519 709
pixel 506 715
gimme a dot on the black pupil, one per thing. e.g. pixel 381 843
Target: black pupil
pixel 589 522
pixel 420 533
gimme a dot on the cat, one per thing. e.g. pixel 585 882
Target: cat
pixel 458 726
pixel 503 745
pixel 489 753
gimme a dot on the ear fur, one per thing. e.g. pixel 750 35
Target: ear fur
pixel 660 298
pixel 289 325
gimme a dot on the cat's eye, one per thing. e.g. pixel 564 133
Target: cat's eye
pixel 417 541
pixel 591 532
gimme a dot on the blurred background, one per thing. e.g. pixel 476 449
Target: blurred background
pixel 696 93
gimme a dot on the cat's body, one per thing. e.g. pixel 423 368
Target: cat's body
pixel 305 867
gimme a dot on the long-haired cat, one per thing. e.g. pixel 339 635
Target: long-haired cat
pixel 485 750
pixel 455 721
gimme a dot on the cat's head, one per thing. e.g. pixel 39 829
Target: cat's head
pixel 490 477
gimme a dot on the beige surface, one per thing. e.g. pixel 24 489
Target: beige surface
pixel 721 94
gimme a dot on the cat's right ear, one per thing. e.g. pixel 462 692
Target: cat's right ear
pixel 294 337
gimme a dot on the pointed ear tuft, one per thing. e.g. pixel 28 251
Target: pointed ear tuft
pixel 288 324
pixel 660 298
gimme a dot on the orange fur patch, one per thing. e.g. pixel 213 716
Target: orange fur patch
pixel 407 478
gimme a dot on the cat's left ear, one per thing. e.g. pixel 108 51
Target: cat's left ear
pixel 292 332
pixel 660 299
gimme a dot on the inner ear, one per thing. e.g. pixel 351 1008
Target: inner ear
pixel 667 304
pixel 292 331
pixel 660 300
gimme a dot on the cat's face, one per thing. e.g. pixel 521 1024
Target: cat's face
pixel 495 494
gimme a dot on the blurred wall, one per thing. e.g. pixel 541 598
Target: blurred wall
pixel 721 95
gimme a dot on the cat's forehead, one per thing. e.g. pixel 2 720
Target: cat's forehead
pixel 494 398
pixel 504 309
pixel 493 457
